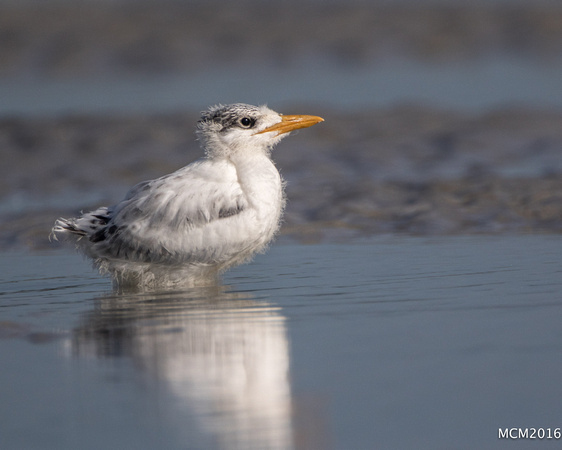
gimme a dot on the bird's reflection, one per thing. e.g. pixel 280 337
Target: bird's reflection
pixel 221 354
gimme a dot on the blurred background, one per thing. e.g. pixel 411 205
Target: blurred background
pixel 442 117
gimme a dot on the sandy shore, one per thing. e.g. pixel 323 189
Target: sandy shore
pixel 406 170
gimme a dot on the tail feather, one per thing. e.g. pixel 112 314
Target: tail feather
pixel 86 225
pixel 64 227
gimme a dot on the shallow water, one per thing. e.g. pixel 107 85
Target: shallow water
pixel 468 87
pixel 384 343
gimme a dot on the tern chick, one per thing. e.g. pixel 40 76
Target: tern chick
pixel 185 228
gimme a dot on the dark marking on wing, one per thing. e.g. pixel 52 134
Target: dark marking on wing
pixel 229 212
pixel 106 233
pixel 103 220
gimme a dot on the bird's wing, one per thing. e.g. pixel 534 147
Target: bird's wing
pixel 158 216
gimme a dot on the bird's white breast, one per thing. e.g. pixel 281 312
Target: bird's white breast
pixel 188 225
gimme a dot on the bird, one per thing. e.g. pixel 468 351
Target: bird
pixel 186 228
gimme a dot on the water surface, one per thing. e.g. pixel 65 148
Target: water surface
pixel 457 85
pixel 384 343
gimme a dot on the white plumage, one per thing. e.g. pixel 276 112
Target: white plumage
pixel 184 228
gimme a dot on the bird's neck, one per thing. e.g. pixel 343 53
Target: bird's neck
pixel 261 183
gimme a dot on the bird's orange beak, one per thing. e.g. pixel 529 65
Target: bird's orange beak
pixel 292 122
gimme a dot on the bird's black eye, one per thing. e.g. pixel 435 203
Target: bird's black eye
pixel 247 122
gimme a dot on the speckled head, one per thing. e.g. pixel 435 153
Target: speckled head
pixel 223 117
pixel 229 129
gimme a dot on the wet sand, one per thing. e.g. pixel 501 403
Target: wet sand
pixel 407 170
